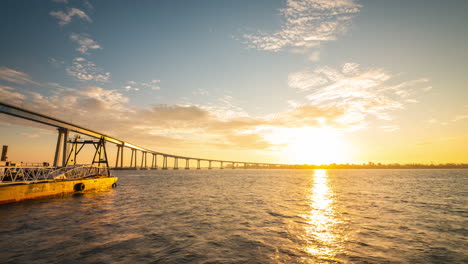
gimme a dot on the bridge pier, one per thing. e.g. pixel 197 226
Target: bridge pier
pixel 198 164
pixel 245 165
pixel 133 161
pixel 221 166
pixel 61 150
pixel 154 162
pixel 187 164
pixel 209 166
pixel 176 163
pixel 233 165
pixel 143 160
pixel 119 158
pixel 164 162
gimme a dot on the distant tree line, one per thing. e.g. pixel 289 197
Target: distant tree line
pixel 372 165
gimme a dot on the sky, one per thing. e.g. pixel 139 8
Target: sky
pixel 298 81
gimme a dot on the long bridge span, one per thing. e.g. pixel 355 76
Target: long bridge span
pixel 62 148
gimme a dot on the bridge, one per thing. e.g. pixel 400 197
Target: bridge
pixel 62 152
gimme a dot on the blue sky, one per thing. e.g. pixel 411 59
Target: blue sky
pixel 247 79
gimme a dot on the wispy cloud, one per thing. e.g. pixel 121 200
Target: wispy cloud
pixel 66 17
pixel 307 23
pixel 8 94
pixel 85 70
pixel 84 42
pixel 136 86
pixel 14 76
pixel 460 117
pixel 355 91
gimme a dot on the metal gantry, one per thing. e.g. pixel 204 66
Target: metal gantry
pixel 63 154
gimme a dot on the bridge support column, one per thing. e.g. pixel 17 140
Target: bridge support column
pixel 209 166
pixel 143 160
pixel 164 162
pixel 245 165
pixel 233 165
pixel 61 150
pixel 198 164
pixel 119 149
pixel 154 162
pixel 65 147
pixel 187 164
pixel 176 163
pixel 221 166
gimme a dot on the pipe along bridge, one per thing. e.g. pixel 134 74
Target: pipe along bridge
pixel 62 153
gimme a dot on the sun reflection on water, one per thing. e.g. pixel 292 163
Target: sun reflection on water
pixel 321 235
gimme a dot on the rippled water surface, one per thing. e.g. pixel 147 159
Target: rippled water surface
pixel 248 216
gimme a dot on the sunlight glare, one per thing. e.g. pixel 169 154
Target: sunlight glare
pixel 309 145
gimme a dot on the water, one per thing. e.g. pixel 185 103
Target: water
pixel 248 216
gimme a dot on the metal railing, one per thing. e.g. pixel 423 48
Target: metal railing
pixel 27 174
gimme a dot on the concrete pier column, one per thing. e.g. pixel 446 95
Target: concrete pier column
pixel 65 147
pixel 221 166
pixel 198 165
pixel 233 165
pixel 209 166
pixel 164 162
pixel 58 147
pixel 154 162
pixel 143 160
pixel 187 164
pixel 118 156
pixel 135 157
pixel 176 163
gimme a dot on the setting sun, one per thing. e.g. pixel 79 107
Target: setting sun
pixel 309 145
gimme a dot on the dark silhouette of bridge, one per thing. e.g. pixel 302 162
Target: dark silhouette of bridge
pixel 62 153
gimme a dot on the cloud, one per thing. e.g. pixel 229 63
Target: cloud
pixel 460 117
pixel 389 128
pixel 7 94
pixel 65 18
pixel 306 24
pixel 85 43
pixel 31 135
pixel 136 86
pixel 14 76
pixel 85 70
pixel 355 92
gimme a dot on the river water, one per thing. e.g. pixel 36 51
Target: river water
pixel 248 216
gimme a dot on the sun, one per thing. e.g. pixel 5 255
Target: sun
pixel 310 145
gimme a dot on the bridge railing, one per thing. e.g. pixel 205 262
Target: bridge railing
pixel 29 174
